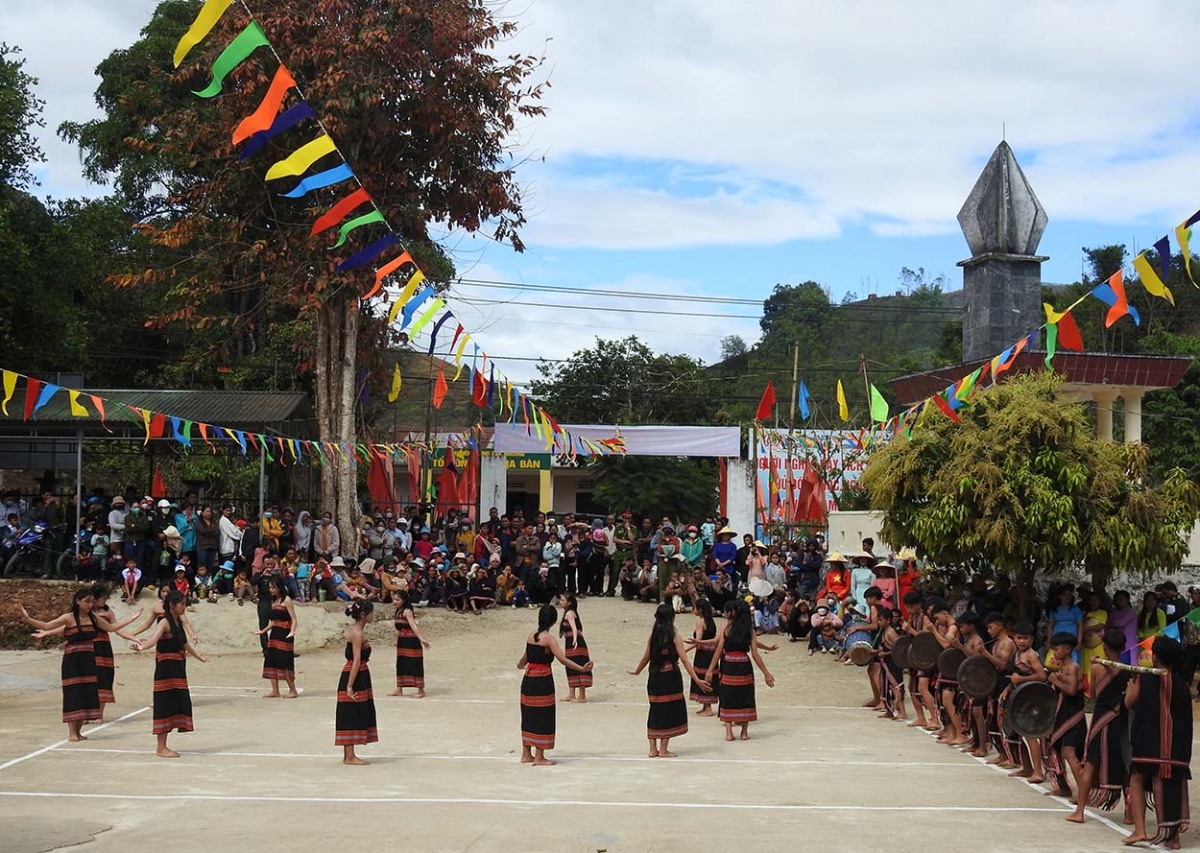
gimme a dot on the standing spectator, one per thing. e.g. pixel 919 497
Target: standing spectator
pixel 185 523
pixel 51 513
pixel 116 526
pixel 271 531
pixel 739 562
pixel 552 553
pixel 645 538
pixel 327 542
pixel 302 536
pixel 137 534
pixel 229 534
pixel 529 552
pixel 809 569
pixel 693 547
pixel 208 538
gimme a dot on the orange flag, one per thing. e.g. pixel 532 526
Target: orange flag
pixel 439 389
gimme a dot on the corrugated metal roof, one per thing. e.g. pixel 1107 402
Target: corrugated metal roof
pixel 239 409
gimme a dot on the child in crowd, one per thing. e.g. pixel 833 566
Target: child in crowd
pixel 182 585
pixel 131 581
pixel 506 586
pixel 521 596
pixel 766 615
pixel 242 588
pixel 203 585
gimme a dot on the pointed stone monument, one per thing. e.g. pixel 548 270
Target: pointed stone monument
pixel 1003 222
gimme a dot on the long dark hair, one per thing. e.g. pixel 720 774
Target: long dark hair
pixel 547 616
pixel 706 613
pixel 80 594
pixel 99 591
pixel 276 583
pixel 739 633
pixel 662 635
pixel 569 604
pixel 401 600
pixel 1148 616
pixel 174 597
pixel 358 609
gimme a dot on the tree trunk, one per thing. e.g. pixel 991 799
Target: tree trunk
pixel 336 363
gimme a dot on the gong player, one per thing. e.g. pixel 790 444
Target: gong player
pixel 1002 651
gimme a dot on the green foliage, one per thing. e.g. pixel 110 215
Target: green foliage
pixel 677 487
pixel 20 113
pixel 1023 484
pixel 624 382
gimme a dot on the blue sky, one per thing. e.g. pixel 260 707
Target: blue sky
pixel 700 148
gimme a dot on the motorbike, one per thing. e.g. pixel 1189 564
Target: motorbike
pixel 26 555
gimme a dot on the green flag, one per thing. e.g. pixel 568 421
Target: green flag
pixel 879 406
pixel 1051 344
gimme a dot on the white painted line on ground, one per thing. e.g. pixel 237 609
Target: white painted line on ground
pixel 53 746
pixel 563 758
pixel 487 801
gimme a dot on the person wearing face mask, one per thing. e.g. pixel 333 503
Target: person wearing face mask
pixel 380 542
pixel 327 542
pixel 693 548
pixel 137 534
pixel 272 528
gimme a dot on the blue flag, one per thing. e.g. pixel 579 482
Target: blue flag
pixel 802 402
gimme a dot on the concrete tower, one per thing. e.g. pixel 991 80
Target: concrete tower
pixel 1003 222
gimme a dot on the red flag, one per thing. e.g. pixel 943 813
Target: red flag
pixel 158 425
pixel 32 387
pixel 159 489
pixel 767 404
pixel 479 391
pixel 941 403
pixel 1068 334
pixel 440 388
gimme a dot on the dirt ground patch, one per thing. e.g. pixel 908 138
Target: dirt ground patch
pixel 43 600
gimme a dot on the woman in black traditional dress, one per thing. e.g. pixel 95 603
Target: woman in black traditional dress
pixel 80 685
pixel 704 640
pixel 668 709
pixel 571 630
pixel 736 649
pixel 537 688
pixel 1161 747
pixel 172 701
pixel 1105 772
pixel 279 662
pixel 102 646
pixel 355 702
pixel 410 646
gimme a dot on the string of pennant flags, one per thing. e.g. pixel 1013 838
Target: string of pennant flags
pixel 417 306
pixel 1061 333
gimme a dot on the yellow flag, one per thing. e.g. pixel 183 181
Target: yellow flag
pixel 458 354
pixel 549 431
pixel 423 321
pixel 396 383
pixel 10 388
pixel 405 295
pixel 1183 234
pixel 1150 280
pixel 77 408
pixel 298 161
pixel 201 27
pixel 1052 316
pixel 843 408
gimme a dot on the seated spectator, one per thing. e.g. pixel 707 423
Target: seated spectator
pixel 242 589
pixel 521 595
pixel 799 622
pixel 457 591
pixel 131 581
pixel 506 586
pixel 766 615
pixel 825 627
pixel 202 588
pixel 482 591
pixel 223 579
pixel 628 578
pixel 720 589
pixel 542 586
pixel 647 581
pixel 391 581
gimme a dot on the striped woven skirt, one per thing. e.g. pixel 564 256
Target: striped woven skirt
pixel 700 663
pixel 81 696
pixel 355 720
pixel 410 661
pixel 668 708
pixel 106 668
pixel 737 688
pixel 172 701
pixel 579 655
pixel 537 707
pixel 279 662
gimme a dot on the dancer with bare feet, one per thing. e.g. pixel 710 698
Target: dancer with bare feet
pixel 1000 653
pixel 571 630
pixel 974 711
pixel 410 647
pixel 172 700
pixel 355 719
pixel 893 675
pixel 736 648
pixel 668 710
pixel 1105 771
pixel 704 640
pixel 1027 666
pixel 1069 737
pixel 80 685
pixel 946 633
pixel 279 660
pixel 1161 742
pixel 918 680
pixel 537 689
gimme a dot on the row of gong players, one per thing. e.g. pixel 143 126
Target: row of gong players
pixel 980 684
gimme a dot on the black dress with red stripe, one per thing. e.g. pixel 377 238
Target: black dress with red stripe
pixel 736 691
pixel 172 700
pixel 410 656
pixel 81 696
pixel 355 719
pixel 106 664
pixel 1107 745
pixel 668 708
pixel 705 648
pixel 579 654
pixel 537 699
pixel 279 662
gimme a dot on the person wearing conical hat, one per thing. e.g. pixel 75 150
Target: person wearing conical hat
pixel 724 552
pixel 837 578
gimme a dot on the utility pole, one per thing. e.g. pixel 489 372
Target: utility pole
pixel 790 479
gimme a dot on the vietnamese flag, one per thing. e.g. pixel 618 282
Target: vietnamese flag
pixel 767 404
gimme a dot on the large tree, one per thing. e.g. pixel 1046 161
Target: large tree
pixel 419 100
pixel 1024 485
